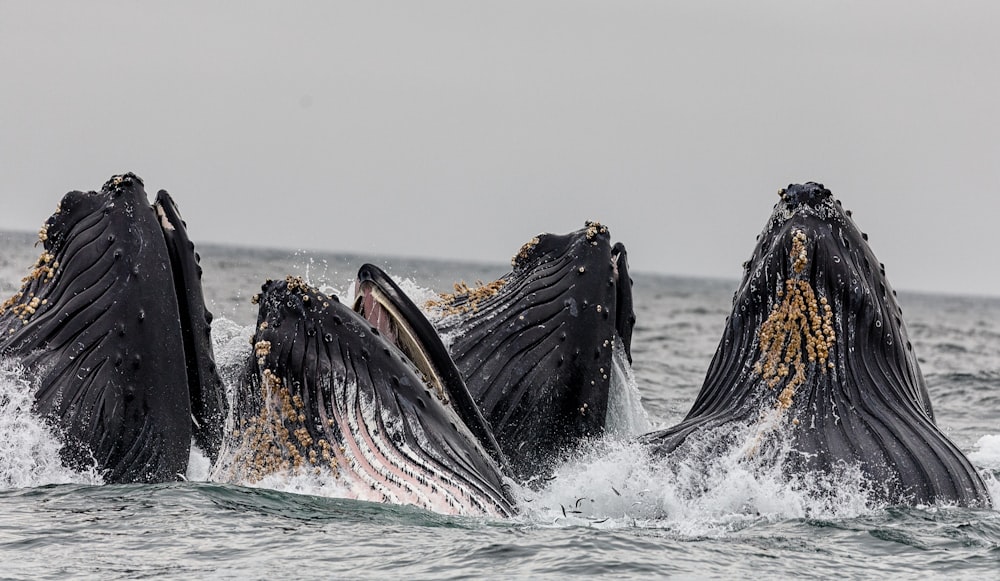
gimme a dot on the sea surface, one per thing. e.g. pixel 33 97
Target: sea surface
pixel 610 512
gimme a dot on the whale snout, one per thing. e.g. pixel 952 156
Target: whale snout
pixel 810 193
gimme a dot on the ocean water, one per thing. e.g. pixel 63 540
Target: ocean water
pixel 610 511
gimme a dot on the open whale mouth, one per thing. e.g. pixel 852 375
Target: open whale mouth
pixel 380 301
pixel 376 301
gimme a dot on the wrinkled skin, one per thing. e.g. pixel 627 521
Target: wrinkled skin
pixel 815 354
pixel 327 394
pixel 112 324
pixel 536 346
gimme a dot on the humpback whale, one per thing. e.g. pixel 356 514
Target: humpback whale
pixel 111 323
pixel 536 346
pixel 815 356
pixel 358 398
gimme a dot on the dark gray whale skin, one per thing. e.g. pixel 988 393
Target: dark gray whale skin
pixel 535 347
pixel 98 325
pixel 325 390
pixel 816 344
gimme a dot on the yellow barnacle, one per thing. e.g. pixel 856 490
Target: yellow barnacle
pixel 799 254
pixel 525 250
pixel 466 299
pixel 594 228
pixel 798 333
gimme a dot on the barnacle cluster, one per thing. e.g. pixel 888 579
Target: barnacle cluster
pixel 276 439
pixel 799 254
pixel 44 268
pixel 297 284
pixel 25 305
pixel 797 335
pixel 525 250
pixel 465 299
pixel 262 349
pixel 593 229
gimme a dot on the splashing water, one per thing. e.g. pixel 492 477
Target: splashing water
pixel 29 450
pixel 694 492
pixel 986 457
pixel 323 483
pixel 626 416
pixel 987 452
pixel 199 465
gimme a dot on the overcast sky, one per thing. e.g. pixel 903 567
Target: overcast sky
pixel 460 129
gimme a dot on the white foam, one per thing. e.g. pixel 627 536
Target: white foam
pixel 231 346
pixel 987 453
pixel 199 465
pixel 322 483
pixel 420 295
pixel 29 450
pixel 986 457
pixel 618 484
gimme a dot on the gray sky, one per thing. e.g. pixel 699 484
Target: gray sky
pixel 459 129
